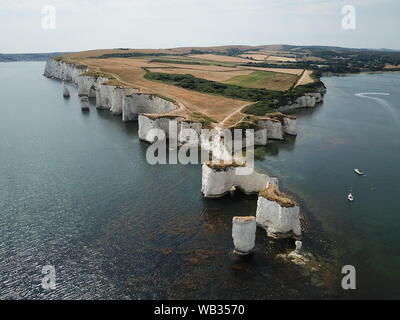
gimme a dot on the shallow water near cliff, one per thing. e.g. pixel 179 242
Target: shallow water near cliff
pixel 77 193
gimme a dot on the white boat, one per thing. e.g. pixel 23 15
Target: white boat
pixel 350 197
pixel 359 172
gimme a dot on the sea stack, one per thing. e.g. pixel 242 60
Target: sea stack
pixel 244 234
pixel 218 178
pixel 84 103
pixel 277 214
pixel 299 247
pixel 66 93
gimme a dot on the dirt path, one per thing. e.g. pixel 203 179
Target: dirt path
pixel 305 78
pixel 233 119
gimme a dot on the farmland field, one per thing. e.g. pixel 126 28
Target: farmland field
pixel 283 59
pixel 296 72
pixel 212 85
pixel 221 58
pixel 258 57
pixel 305 78
pixel 265 79
pixel 204 74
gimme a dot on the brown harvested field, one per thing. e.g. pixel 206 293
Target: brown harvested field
pixel 305 78
pixel 221 49
pixel 218 58
pixel 129 72
pixel 258 57
pixel 278 58
pixel 311 58
pixel 212 68
pixel 296 72
pixel 208 75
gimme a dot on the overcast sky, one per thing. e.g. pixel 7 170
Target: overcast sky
pixel 92 24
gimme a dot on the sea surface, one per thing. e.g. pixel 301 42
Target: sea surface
pixel 77 193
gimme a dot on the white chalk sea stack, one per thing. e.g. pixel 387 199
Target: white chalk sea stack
pixel 277 214
pixel 66 93
pixel 218 179
pixel 84 102
pixel 244 234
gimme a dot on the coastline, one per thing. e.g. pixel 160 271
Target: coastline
pixel 312 229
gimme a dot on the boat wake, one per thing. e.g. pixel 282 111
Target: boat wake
pixel 383 102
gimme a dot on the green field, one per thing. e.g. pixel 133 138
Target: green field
pixel 265 79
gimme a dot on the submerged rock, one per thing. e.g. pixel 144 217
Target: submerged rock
pixel 321 271
pixel 244 234
pixel 277 214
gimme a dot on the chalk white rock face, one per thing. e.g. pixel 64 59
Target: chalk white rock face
pixel 190 132
pixel 84 102
pixel 149 128
pixel 87 86
pixel 308 100
pixel 290 126
pixel 63 71
pixel 260 137
pixel 172 127
pixel 274 129
pixel 244 234
pixel 276 219
pixel 138 103
pixel 118 95
pixel 319 96
pixel 66 92
pixel 217 183
pixel 104 97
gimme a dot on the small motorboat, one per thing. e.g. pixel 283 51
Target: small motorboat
pixel 350 197
pixel 359 172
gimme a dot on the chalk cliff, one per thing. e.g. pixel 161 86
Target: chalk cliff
pixel 138 103
pixel 218 180
pixel 273 127
pixel 84 102
pixel 279 124
pixel 119 100
pixel 66 92
pixel 61 70
pixel 290 126
pixel 88 85
pixel 307 100
pixel 244 234
pixel 277 214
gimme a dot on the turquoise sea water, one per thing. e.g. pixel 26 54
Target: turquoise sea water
pixel 77 193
